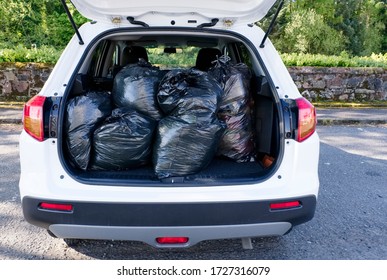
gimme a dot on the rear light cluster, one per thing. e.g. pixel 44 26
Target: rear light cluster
pixel 33 117
pixel 306 119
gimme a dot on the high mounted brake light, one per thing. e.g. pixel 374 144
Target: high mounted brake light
pixel 33 117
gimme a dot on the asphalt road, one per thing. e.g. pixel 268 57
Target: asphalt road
pixel 350 221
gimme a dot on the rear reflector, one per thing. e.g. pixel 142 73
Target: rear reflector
pixel 33 117
pixel 172 240
pixel 306 119
pixel 56 207
pixel 285 205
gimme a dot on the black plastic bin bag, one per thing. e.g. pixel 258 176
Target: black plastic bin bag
pixel 83 114
pixel 183 148
pixel 123 141
pixel 234 109
pixel 189 92
pixel 236 142
pixel 136 86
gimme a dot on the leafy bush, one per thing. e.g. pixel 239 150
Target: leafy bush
pixel 343 60
pixel 187 57
pixel 44 54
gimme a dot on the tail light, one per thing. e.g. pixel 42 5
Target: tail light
pixel 306 119
pixel 33 117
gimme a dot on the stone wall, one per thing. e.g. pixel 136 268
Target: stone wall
pixel 18 82
pixel 341 84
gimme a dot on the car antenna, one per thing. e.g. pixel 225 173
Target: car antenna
pixel 262 45
pixel 72 22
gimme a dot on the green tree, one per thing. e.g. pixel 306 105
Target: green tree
pixel 323 26
pixel 307 32
pixel 325 8
pixel 358 25
pixel 12 14
pixel 372 19
pixel 35 22
pixel 364 25
pixel 309 22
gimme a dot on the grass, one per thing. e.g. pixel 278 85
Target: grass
pixel 342 60
pixel 349 104
pixel 12 104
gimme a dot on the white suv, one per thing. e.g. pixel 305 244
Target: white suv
pixel 170 123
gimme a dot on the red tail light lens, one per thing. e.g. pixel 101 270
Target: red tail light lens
pixel 285 205
pixel 306 119
pixel 56 206
pixel 33 117
pixel 172 240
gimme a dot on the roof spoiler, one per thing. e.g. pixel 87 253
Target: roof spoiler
pixel 72 22
pixel 280 5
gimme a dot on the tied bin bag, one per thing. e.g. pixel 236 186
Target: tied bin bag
pixel 123 141
pixel 189 92
pixel 187 139
pixel 234 109
pixel 83 115
pixel 184 148
pixel 135 86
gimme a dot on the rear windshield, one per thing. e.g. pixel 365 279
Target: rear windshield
pixel 170 57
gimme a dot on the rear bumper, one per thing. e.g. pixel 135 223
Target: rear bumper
pixel 149 234
pixel 147 221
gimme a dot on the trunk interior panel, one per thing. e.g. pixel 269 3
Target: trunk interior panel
pixel 107 58
pixel 219 171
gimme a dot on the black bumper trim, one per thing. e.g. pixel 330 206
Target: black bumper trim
pixel 168 214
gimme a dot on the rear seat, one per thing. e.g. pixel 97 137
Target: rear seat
pixel 205 58
pixel 130 55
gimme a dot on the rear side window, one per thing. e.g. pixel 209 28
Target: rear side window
pixel 244 55
pixel 96 60
pixel 105 58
